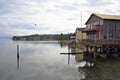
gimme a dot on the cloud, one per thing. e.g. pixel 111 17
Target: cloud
pixel 17 17
pixel 98 3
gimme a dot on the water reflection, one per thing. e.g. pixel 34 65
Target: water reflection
pixel 103 70
pixel 73 53
pixel 39 61
pixel 35 42
pixel 78 56
pixel 42 61
pixel 69 53
pixel 68 59
pixel 82 74
pixel 63 43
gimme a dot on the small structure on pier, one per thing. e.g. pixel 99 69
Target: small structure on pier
pixel 73 38
pixel 79 35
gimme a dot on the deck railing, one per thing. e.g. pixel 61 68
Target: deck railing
pixel 103 41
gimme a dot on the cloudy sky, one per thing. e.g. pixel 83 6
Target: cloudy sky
pixel 25 17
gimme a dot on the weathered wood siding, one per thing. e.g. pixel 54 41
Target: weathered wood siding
pixel 94 20
pixel 111 29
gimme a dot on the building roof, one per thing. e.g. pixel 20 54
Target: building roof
pixel 80 29
pixel 106 16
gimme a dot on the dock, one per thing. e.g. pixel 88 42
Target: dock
pixel 107 48
pixel 101 42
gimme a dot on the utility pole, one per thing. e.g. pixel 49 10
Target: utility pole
pixel 81 19
pixel 81 26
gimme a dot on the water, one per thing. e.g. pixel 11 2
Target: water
pixel 38 60
pixel 41 60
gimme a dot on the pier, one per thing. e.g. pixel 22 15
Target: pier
pixel 106 48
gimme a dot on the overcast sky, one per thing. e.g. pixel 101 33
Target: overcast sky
pixel 25 17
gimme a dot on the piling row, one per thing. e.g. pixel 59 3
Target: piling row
pixel 98 50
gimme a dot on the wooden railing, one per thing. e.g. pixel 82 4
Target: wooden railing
pixel 96 28
pixel 104 41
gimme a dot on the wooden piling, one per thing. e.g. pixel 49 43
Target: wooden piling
pixel 18 57
pixel 17 51
pixel 106 48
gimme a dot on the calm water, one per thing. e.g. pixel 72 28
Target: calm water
pixel 37 61
pixel 41 60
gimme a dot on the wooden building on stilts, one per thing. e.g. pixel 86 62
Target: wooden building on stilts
pixel 103 34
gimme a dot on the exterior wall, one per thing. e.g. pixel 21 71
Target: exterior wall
pixel 94 21
pixel 111 29
pixel 84 35
pixel 80 35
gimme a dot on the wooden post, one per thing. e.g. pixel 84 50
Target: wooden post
pixel 68 58
pixel 87 50
pixel 69 54
pixel 91 48
pixel 95 51
pixel 17 49
pixel 17 56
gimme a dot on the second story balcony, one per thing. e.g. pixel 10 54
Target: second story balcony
pixel 96 28
pixel 93 28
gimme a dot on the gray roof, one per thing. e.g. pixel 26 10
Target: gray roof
pixel 106 16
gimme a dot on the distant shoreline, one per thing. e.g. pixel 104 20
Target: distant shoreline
pixel 47 37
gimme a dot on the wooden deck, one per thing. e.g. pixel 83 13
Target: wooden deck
pixel 101 42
